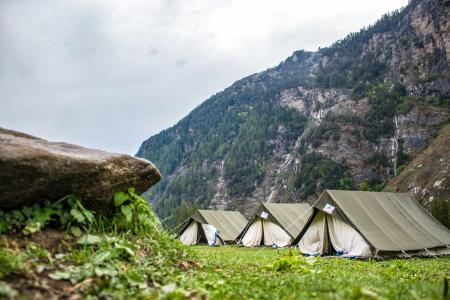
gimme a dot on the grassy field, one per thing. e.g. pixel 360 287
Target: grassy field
pixel 62 250
pixel 233 273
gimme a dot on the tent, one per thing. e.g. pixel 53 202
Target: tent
pixel 212 226
pixel 367 224
pixel 275 224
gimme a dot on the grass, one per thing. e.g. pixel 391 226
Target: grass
pixel 126 255
pixel 147 268
pixel 62 250
pixel 246 273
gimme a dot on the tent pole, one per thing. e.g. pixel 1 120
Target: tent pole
pixel 179 225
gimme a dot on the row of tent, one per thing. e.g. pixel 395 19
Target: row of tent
pixel 342 223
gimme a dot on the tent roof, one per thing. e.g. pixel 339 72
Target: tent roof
pixel 388 221
pixel 229 223
pixel 292 217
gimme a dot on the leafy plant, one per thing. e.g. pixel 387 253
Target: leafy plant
pixel 134 214
pixel 80 216
pixel 67 213
pixel 11 263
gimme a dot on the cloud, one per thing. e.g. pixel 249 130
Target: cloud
pixel 109 74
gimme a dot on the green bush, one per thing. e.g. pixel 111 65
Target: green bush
pixel 399 170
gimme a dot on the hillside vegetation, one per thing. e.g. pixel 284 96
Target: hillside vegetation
pixel 349 116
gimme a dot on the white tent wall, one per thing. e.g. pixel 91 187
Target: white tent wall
pixel 275 235
pixel 190 234
pixel 253 235
pixel 314 240
pixel 267 232
pixel 211 234
pixel 345 239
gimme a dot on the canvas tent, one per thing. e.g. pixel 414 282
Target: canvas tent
pixel 213 227
pixel 275 224
pixel 365 224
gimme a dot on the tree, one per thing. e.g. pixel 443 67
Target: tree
pixel 440 209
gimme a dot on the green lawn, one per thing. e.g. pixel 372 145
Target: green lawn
pixel 233 273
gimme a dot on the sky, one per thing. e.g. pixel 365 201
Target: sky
pixel 110 74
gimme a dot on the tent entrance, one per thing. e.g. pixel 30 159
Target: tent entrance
pixel 190 235
pixel 265 232
pixel 328 235
pixel 196 233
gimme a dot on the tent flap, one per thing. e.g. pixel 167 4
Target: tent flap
pixel 274 235
pixel 314 241
pixel 345 240
pixel 253 235
pixel 190 234
pixel 211 234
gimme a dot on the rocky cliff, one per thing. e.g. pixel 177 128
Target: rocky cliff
pixel 427 177
pixel 349 116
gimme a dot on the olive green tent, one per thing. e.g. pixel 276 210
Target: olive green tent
pixel 275 224
pixel 363 224
pixel 205 225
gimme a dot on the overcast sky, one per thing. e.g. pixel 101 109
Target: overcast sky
pixel 109 74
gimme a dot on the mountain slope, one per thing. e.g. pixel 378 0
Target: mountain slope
pixel 428 177
pixel 347 116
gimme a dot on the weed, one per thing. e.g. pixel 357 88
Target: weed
pixel 124 254
pixel 67 213
pixel 11 263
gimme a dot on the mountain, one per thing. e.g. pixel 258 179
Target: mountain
pixel 428 177
pixel 349 116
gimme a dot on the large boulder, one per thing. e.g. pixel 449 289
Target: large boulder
pixel 34 170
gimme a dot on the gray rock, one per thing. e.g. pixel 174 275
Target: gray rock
pixel 34 170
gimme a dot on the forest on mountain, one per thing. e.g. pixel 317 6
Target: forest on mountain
pixel 348 116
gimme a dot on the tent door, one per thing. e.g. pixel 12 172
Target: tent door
pixel 315 240
pixel 254 234
pixel 190 235
pixel 267 233
pixel 327 235
pixel 346 241
pixel 273 234
pixel 211 234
